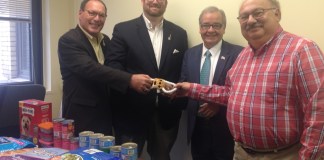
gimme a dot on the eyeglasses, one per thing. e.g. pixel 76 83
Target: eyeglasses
pixel 256 14
pixel 216 26
pixel 95 14
pixel 156 0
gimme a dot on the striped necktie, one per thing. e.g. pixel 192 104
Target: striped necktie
pixel 205 70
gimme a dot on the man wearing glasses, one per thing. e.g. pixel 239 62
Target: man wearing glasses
pixel 207 126
pixel 86 80
pixel 151 45
pixel 274 91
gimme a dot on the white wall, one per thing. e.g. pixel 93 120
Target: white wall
pixel 58 18
pixel 299 16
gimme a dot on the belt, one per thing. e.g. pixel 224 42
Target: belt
pixel 265 151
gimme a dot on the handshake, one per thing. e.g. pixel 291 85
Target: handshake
pixel 143 84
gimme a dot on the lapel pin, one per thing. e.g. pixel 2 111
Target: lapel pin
pixel 223 57
pixel 169 38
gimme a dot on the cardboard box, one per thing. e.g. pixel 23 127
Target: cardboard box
pixel 31 113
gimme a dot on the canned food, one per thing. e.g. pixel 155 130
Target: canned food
pixel 94 140
pixel 65 144
pixel 67 129
pixel 84 138
pixel 115 151
pixel 106 142
pixel 58 143
pixel 74 143
pixel 57 128
pixel 129 151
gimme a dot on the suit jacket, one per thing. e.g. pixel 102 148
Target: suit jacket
pixel 131 50
pixel 191 73
pixel 85 80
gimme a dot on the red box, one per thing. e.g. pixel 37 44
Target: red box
pixel 31 113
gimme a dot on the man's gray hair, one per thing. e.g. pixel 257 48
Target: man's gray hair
pixel 213 9
pixel 275 3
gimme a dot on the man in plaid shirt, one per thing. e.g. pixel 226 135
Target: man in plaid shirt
pixel 274 91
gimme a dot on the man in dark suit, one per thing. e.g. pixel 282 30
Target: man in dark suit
pixel 207 125
pixel 151 45
pixel 86 80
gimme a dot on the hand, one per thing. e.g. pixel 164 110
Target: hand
pixel 182 90
pixel 169 86
pixel 141 83
pixel 208 110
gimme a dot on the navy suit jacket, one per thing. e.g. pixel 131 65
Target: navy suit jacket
pixel 191 73
pixel 85 80
pixel 131 50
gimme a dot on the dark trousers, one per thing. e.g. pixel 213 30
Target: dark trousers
pixel 211 141
pixel 130 128
pixel 161 140
pixel 89 118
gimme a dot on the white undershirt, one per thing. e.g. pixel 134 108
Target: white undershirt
pixel 215 52
pixel 156 36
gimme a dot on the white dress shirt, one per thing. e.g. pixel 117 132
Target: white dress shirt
pixel 156 36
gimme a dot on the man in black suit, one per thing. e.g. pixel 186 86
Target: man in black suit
pixel 207 126
pixel 86 80
pixel 151 45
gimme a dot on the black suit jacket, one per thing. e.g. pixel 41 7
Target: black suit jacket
pixel 131 51
pixel 85 80
pixel 191 73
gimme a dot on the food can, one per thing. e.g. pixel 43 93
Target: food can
pixel 84 138
pixel 115 151
pixel 74 143
pixel 57 128
pixel 106 142
pixel 66 144
pixel 129 151
pixel 57 143
pixel 94 140
pixel 67 129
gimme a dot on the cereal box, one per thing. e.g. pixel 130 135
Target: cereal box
pixel 31 113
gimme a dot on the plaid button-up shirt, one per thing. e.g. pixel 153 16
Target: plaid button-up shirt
pixel 275 95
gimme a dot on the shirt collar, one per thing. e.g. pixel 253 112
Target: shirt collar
pixel 149 25
pixel 89 36
pixel 213 50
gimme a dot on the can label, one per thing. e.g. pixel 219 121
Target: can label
pixel 106 142
pixel 94 140
pixel 129 157
pixel 74 143
pixel 67 129
pixel 84 138
pixel 57 128
pixel 115 151
pixel 57 143
pixel 129 151
pixel 66 144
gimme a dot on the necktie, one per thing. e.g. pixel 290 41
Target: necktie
pixel 205 70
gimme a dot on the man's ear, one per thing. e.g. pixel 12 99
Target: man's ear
pixel 278 14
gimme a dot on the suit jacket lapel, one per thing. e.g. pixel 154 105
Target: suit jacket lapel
pixel 223 57
pixel 196 63
pixel 145 38
pixel 87 44
pixel 167 40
